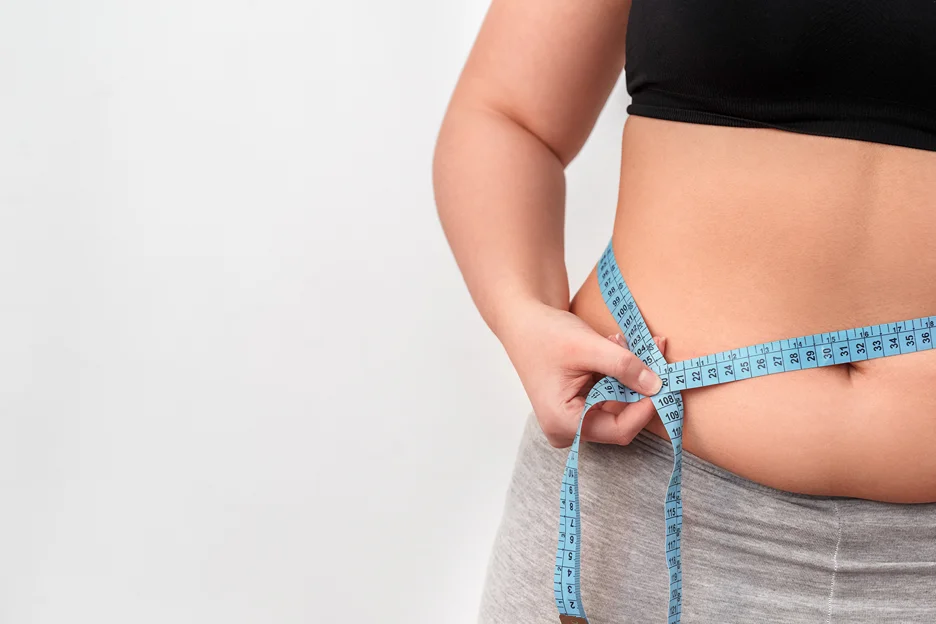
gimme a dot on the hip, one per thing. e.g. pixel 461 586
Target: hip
pixel 749 552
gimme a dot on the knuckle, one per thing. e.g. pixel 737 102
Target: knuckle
pixel 556 433
pixel 626 436
pixel 553 433
pixel 558 441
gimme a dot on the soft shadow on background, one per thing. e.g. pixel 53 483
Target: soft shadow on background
pixel 240 377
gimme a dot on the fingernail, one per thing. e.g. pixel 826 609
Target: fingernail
pixel 649 381
pixel 619 338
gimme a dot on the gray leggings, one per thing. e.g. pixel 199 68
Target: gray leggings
pixel 815 559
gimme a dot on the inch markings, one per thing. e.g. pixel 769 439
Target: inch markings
pixel 824 349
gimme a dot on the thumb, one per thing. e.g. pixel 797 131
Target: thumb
pixel 610 358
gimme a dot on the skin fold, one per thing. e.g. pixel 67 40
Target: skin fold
pixel 726 236
pixel 773 235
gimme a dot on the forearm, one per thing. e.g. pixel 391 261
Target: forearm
pixel 500 193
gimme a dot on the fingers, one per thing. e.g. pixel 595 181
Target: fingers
pixel 560 428
pixel 605 423
pixel 622 340
pixel 607 427
pixel 609 358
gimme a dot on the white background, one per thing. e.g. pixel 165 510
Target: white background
pixel 241 379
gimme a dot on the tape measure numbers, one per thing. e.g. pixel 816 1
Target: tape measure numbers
pixel 827 349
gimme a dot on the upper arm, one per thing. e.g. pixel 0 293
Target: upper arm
pixel 549 65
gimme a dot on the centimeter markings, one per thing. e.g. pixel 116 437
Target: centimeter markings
pixel 817 350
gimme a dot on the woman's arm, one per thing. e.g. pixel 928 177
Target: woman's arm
pixel 529 94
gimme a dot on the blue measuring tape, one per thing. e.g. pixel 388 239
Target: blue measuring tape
pixel 842 347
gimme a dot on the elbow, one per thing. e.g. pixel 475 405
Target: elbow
pixel 440 160
pixel 447 153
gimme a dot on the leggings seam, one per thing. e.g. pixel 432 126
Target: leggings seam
pixel 838 543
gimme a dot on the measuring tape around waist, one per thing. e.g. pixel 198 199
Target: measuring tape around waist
pixel 827 349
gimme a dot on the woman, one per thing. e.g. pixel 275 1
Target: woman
pixel 778 179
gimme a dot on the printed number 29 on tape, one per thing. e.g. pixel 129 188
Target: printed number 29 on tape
pixel 826 349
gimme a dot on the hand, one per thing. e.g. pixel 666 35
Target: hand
pixel 557 355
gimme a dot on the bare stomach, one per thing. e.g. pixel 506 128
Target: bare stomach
pixel 729 237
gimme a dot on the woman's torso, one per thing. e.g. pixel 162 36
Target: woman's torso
pixel 729 237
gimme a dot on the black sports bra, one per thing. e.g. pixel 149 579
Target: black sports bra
pixel 858 69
